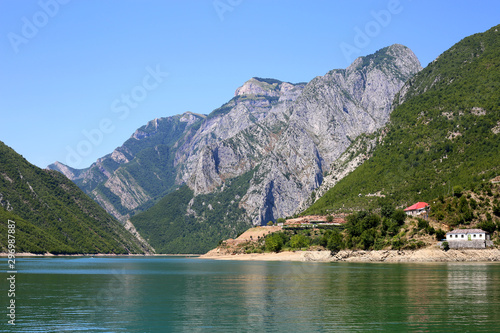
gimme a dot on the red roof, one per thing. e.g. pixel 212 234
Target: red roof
pixel 418 205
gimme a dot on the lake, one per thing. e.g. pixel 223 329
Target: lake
pixel 175 294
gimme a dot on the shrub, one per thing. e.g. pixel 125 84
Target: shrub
pixel 397 243
pixel 422 224
pixel 441 198
pixel 473 204
pixel 299 241
pixel 439 215
pixel 496 210
pixel 334 241
pixel 386 210
pixel 430 230
pixel 274 242
pixel 440 234
pixel 457 191
pixel 399 216
pixel 281 220
pixel 488 226
pixel 445 246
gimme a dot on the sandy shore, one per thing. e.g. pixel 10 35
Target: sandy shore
pixel 97 255
pixel 430 254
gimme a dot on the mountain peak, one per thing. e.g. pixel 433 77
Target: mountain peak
pixel 395 56
pixel 263 86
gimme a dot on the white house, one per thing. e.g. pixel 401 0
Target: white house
pixel 468 238
pixel 467 235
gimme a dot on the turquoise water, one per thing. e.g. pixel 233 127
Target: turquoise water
pixel 166 294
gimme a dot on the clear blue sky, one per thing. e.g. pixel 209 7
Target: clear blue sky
pixel 67 66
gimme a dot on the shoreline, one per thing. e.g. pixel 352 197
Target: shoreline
pixel 27 254
pixel 425 255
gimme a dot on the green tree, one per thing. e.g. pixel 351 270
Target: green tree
pixel 270 223
pixel 399 216
pixel 496 210
pixel 274 242
pixel 488 226
pixel 387 209
pixel 457 191
pixel 440 234
pixel 299 241
pixel 334 242
pixel 367 238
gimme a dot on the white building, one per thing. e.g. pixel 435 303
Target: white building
pixel 467 235
pixel 468 239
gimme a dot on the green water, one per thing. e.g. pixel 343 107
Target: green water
pixel 132 294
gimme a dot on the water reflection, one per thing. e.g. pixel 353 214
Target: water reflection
pixel 176 295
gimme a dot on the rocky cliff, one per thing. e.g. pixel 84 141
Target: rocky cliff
pixel 296 144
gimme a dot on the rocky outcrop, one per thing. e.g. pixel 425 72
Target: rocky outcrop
pixel 325 119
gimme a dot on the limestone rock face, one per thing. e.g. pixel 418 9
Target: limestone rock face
pixel 292 135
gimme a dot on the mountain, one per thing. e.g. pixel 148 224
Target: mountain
pixel 443 132
pixel 139 172
pixel 256 158
pixel 53 215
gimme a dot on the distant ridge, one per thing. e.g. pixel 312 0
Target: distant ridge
pixel 52 215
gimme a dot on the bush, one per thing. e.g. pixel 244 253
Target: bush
pixel 496 210
pixel 439 215
pixel 390 227
pixel 457 191
pixel 299 241
pixel 333 240
pixel 473 204
pixel 430 230
pixel 274 242
pixel 399 216
pixel 488 226
pixel 445 246
pixel 397 243
pixel 422 224
pixel 386 210
pixel 440 234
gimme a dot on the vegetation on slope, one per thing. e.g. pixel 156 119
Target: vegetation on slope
pixel 479 207
pixel 387 228
pixel 182 223
pixel 446 133
pixel 52 214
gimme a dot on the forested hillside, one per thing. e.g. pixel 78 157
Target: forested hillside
pixel 443 132
pixel 184 223
pixel 53 215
